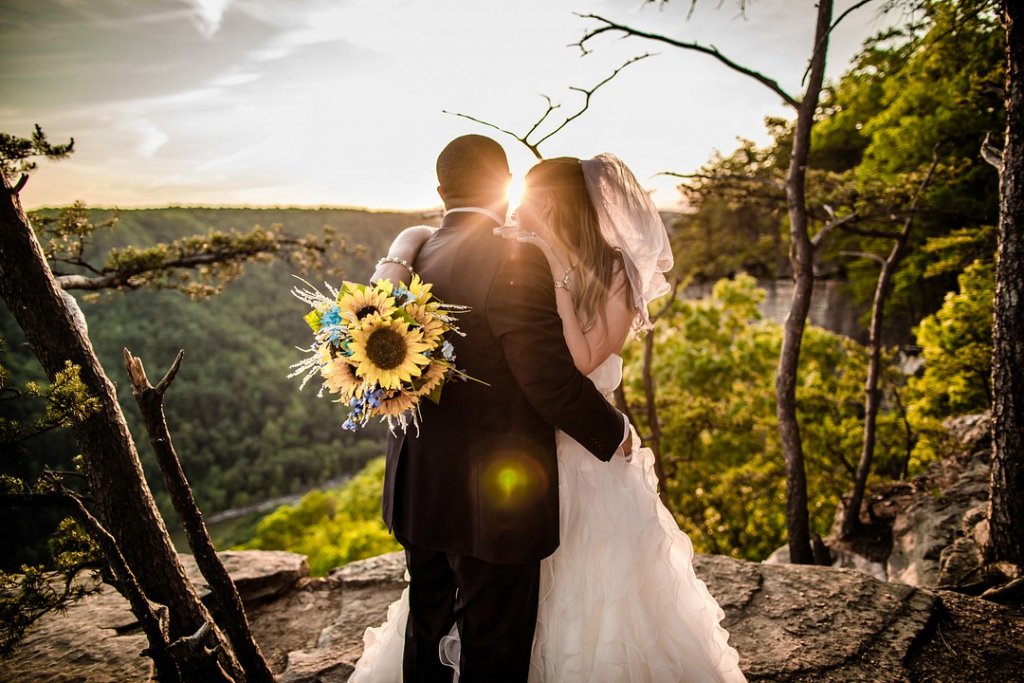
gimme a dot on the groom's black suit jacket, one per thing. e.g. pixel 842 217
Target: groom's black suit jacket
pixel 480 478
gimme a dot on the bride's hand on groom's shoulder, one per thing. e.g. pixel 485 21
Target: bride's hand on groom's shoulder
pixel 514 232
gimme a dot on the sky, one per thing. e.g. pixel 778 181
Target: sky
pixel 341 102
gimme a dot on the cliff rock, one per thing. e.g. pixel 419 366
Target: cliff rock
pixel 789 623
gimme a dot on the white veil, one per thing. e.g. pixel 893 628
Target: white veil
pixel 630 223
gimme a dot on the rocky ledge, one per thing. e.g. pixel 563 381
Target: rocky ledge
pixel 789 623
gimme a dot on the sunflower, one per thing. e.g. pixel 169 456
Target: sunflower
pixel 387 352
pixel 356 302
pixel 340 378
pixel 431 327
pixel 431 379
pixel 397 403
pixel 419 289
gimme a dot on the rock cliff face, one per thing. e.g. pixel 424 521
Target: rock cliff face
pixel 929 532
pixel 789 623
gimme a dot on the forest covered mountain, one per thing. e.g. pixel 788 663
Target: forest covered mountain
pixel 243 430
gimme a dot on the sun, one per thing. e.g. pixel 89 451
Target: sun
pixel 514 192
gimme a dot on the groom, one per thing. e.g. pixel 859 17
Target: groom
pixel 473 496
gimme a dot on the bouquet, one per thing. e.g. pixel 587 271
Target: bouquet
pixel 381 347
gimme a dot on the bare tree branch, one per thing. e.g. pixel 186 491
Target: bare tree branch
pixel 727 177
pixel 866 232
pixel 832 225
pixel 534 147
pixel 611 26
pixel 112 278
pixel 990 153
pixel 832 28
pixel 522 139
pixel 122 278
pixel 863 254
pixel 587 94
pixel 551 107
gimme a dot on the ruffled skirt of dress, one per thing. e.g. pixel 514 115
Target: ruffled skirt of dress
pixel 619 598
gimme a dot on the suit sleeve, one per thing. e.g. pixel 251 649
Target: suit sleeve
pixel 523 316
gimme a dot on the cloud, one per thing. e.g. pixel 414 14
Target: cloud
pixel 208 15
pixel 151 137
pixel 233 78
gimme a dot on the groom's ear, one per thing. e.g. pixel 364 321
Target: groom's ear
pixel 440 193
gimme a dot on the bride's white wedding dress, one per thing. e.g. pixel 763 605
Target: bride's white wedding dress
pixel 619 600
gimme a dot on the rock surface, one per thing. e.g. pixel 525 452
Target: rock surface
pixel 257 574
pixel 789 623
pixel 932 524
pixel 927 532
pixel 97 641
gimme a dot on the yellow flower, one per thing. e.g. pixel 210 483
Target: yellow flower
pixel 420 289
pixel 430 326
pixel 387 352
pixel 340 378
pixel 357 301
pixel 432 378
pixel 396 404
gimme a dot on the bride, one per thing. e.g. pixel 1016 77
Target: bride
pixel 619 600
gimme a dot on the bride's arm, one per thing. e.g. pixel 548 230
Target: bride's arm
pixel 405 247
pixel 608 333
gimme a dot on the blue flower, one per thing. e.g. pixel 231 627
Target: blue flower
pixel 331 317
pixel 375 398
pixel 447 350
pixel 402 295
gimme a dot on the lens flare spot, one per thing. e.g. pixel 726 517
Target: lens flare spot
pixel 514 482
pixel 508 480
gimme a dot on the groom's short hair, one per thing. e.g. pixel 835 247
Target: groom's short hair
pixel 472 168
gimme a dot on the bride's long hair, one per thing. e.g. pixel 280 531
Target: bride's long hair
pixel 573 221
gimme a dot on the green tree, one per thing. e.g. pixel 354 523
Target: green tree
pixel 956 345
pixel 17 154
pixel 714 367
pixel 933 82
pixel 331 527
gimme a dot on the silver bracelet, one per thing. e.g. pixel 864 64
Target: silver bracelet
pixel 398 261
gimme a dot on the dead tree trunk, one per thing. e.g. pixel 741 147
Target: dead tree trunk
pixel 124 502
pixel 229 605
pixel 801 256
pixel 872 395
pixel 1006 514
pixel 653 422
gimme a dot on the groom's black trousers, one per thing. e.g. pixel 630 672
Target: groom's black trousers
pixel 495 606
